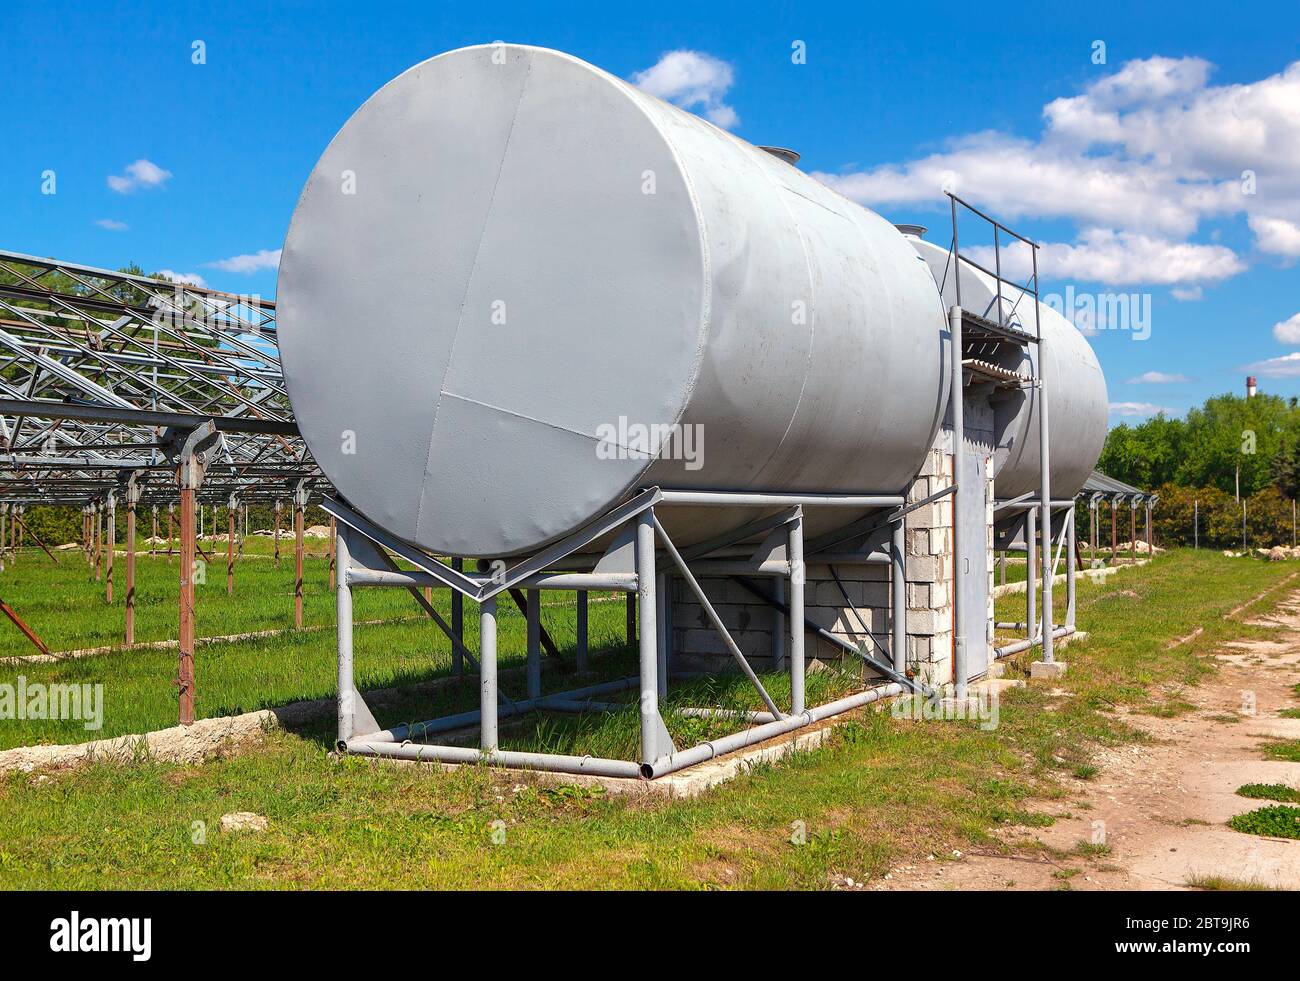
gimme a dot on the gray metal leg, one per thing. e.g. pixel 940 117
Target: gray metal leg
pixel 797 578
pixel 898 595
pixel 343 605
pixel 487 673
pixel 1070 564
pixel 651 723
pixel 534 643
pixel 581 649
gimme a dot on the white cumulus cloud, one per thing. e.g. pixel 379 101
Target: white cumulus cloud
pixel 1143 156
pixel 1276 235
pixel 189 279
pixel 1103 255
pixel 1158 378
pixel 1286 366
pixel 693 80
pixel 249 263
pixel 143 174
pixel 1140 409
pixel 1288 331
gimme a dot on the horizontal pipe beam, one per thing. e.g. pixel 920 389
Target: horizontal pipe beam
pixel 747 499
pixel 460 720
pixel 615 581
pixel 88 412
pixel 757 734
pixel 466 755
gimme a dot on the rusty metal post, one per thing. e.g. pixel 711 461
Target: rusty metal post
pixel 231 507
pixel 299 517
pixel 1114 532
pixel 111 508
pixel 185 675
pixel 1133 532
pixel 99 540
pixel 194 454
pixel 132 499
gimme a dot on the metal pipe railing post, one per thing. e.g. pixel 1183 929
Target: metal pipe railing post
pixel 798 579
pixel 648 641
pixel 1044 460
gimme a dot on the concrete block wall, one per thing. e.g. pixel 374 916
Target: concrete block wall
pixel 929 537
pixel 930 569
pixel 697 645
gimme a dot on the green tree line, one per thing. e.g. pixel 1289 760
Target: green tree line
pixel 1231 448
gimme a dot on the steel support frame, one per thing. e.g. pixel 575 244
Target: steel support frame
pixel 1064 543
pixel 654 556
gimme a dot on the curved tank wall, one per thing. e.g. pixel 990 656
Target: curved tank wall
pixel 1077 418
pixel 508 261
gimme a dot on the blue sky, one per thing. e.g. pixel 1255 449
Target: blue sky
pixel 1129 171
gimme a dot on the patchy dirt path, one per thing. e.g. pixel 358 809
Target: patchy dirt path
pixel 1162 806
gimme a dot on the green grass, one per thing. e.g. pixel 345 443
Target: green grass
pixel 1283 749
pixel 1274 821
pixel 1290 713
pixel 883 789
pixel 66 607
pixel 1219 883
pixel 1270 791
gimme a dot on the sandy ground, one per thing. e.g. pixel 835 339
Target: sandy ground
pixel 1162 807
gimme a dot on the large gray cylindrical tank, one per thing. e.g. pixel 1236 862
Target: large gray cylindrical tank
pixel 1077 417
pixel 507 255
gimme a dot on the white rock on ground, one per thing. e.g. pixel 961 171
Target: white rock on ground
pixel 243 821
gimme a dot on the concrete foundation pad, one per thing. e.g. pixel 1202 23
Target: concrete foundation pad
pixel 1044 670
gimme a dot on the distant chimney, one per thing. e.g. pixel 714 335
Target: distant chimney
pixel 1250 386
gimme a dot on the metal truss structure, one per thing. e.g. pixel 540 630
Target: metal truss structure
pixel 641 560
pixel 103 374
pixel 122 389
